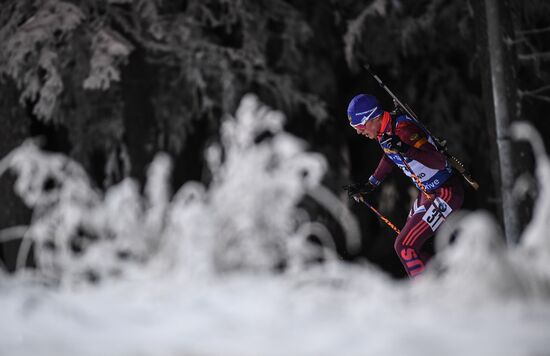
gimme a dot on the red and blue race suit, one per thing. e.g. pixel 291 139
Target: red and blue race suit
pixel 441 182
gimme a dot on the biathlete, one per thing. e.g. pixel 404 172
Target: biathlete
pixel 410 147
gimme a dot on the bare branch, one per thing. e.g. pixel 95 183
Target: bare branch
pixel 535 31
pixel 535 91
pixel 535 96
pixel 129 29
pixel 12 233
pixel 534 56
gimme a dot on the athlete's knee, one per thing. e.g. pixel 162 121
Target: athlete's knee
pixel 398 244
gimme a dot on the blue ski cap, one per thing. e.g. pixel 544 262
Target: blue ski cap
pixel 362 108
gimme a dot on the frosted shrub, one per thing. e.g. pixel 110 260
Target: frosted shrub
pixel 535 237
pixel 479 254
pixel 248 218
pixel 535 241
pixel 78 234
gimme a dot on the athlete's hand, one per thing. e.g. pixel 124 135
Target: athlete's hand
pixel 356 190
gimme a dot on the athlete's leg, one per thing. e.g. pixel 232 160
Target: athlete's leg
pixel 407 252
pixel 424 219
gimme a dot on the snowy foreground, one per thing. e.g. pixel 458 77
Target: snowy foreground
pixel 194 274
pixel 344 311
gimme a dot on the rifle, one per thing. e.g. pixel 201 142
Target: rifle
pixel 440 144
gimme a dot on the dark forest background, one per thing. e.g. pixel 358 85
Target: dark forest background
pixel 110 83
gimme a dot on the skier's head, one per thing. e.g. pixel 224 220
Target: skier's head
pixel 364 113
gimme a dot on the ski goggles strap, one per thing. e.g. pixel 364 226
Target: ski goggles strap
pixel 363 121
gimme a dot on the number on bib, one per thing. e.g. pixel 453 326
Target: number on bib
pixel 436 215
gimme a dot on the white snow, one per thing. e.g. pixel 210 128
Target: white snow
pixel 201 278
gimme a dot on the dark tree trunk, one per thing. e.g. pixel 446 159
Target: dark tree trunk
pixel 15 128
pixel 139 117
pixel 500 96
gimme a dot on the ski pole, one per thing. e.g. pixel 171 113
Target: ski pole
pixel 415 177
pixel 382 217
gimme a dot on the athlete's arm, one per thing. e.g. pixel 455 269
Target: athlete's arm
pixel 385 166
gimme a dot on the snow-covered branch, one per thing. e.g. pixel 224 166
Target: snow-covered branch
pixel 30 53
pixel 535 56
pixel 354 32
pixel 109 51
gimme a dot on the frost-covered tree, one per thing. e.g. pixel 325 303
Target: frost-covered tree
pixel 56 52
pixel 67 59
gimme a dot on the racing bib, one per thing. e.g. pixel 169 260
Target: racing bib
pixel 436 213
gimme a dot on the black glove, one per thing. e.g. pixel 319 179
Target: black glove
pixel 394 143
pixel 355 190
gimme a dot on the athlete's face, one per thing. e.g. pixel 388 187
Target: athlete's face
pixel 369 128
